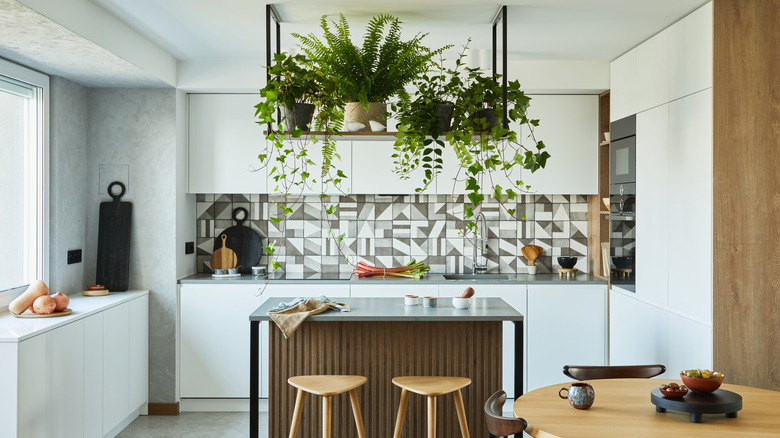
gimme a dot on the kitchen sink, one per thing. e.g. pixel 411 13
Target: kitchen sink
pixel 477 277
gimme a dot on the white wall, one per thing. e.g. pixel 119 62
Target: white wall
pixel 137 128
pixel 69 187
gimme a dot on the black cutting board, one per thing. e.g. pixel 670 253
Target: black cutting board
pixel 113 251
pixel 244 241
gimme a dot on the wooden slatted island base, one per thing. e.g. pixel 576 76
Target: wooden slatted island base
pixel 381 339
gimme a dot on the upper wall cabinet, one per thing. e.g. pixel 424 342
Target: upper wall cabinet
pixel 373 171
pixel 672 64
pixel 568 126
pixel 224 142
pixel 314 183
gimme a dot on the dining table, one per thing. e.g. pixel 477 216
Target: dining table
pixel 623 408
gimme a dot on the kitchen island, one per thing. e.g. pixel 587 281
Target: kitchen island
pixel 381 338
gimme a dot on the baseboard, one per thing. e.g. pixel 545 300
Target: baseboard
pixel 220 405
pixel 164 408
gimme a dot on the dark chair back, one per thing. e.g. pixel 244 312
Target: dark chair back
pixel 578 372
pixel 497 424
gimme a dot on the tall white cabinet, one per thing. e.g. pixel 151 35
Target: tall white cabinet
pixel 667 83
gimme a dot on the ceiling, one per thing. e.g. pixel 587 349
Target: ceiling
pixel 597 30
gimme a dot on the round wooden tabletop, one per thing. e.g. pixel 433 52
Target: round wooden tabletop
pixel 622 408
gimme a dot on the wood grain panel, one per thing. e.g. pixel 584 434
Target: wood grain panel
pixel 598 226
pixel 381 351
pixel 746 192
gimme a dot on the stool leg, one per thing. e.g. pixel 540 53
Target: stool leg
pixel 353 398
pixel 296 421
pixel 464 427
pixel 399 421
pixel 431 417
pixel 327 410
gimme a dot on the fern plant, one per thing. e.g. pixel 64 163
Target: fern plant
pixel 378 70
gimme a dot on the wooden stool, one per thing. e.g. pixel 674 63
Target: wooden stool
pixel 431 387
pixel 327 387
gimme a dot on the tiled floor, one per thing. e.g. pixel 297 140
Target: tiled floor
pixel 195 425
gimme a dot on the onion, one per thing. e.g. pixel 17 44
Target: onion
pixel 61 300
pixel 44 305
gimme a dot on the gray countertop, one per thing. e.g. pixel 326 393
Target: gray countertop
pixel 393 309
pixel 429 279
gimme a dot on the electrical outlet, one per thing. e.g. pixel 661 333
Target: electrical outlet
pixel 74 256
pixel 189 247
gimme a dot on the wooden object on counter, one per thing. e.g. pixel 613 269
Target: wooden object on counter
pixel 95 292
pixel 623 408
pixel 568 273
pixel 46 315
pixel 532 252
pixel 327 386
pixel 113 251
pixel 223 258
pixel 431 387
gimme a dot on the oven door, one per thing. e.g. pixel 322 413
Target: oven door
pixel 622 161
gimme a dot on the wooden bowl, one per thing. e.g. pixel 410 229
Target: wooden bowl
pixel 700 384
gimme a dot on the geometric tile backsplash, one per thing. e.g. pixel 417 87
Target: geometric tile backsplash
pixel 390 230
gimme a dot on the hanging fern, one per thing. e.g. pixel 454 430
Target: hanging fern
pixel 378 70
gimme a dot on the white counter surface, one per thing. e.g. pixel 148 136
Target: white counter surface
pixel 13 329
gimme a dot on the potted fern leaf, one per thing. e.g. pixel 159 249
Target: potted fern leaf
pixel 372 74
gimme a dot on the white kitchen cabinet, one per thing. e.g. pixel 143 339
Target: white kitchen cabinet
pixel 690 345
pixel 313 185
pixel 515 296
pixel 637 331
pixel 690 205
pixel 224 142
pixel 116 366
pixel 652 206
pixel 371 289
pixel 623 86
pixel 690 54
pixel 214 357
pixel 139 351
pixel 567 325
pixel 65 400
pixel 61 367
pixel 93 376
pixel 373 171
pixel 568 126
pixel 652 72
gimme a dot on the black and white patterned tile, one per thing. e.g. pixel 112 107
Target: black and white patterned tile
pixel 390 230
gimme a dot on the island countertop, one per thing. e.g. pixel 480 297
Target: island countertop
pixel 394 309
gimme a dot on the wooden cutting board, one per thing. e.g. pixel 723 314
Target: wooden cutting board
pixel 223 258
pixel 244 241
pixel 49 315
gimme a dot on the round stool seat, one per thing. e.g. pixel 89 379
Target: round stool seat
pixel 432 386
pixel 327 385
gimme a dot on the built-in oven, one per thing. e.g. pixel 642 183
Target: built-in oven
pixel 622 202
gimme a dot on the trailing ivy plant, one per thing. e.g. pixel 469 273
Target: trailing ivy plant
pixel 286 154
pixel 376 71
pixel 485 150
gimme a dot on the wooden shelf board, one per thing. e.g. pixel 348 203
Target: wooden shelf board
pixel 604 143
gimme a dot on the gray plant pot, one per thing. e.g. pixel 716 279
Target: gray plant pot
pixel 444 116
pixel 300 115
pixel 488 115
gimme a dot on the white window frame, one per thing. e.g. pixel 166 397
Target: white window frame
pixel 41 81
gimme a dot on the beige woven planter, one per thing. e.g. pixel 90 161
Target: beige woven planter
pixel 355 115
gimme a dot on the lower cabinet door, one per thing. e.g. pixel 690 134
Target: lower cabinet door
pixel 116 366
pixel 65 403
pixel 567 325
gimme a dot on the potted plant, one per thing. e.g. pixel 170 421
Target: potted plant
pixel 295 81
pixel 372 74
pixel 423 118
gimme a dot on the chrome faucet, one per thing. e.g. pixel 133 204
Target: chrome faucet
pixel 480 245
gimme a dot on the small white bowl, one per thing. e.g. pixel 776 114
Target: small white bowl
pixel 412 300
pixel 461 303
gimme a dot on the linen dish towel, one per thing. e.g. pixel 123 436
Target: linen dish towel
pixel 289 316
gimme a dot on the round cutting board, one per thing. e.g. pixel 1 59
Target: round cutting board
pixel 244 241
pixel 50 315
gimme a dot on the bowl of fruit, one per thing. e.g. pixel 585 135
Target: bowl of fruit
pixel 673 390
pixel 702 380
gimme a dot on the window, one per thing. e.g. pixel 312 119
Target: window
pixel 23 178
